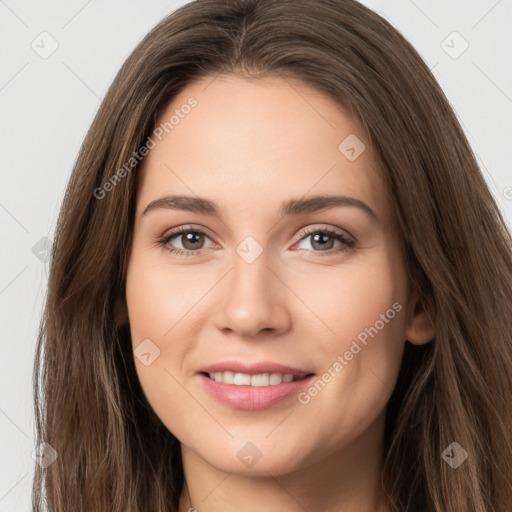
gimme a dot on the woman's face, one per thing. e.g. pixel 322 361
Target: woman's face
pixel 261 283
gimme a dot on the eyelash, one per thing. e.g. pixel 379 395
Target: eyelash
pixel 347 242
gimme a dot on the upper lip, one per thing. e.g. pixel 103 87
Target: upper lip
pixel 253 368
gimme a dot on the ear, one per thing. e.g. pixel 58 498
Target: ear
pixel 419 329
pixel 120 311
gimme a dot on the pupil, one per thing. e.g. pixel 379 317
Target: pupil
pixel 189 239
pixel 322 245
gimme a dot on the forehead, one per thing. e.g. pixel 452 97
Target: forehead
pixel 257 140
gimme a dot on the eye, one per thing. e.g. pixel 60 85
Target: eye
pixel 323 240
pixel 191 239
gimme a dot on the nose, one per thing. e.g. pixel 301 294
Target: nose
pixel 252 300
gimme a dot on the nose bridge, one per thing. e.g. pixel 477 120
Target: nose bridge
pixel 250 302
pixel 250 273
pixel 249 283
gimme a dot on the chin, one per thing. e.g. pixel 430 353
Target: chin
pixel 255 458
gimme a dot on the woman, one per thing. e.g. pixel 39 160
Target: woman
pixel 279 280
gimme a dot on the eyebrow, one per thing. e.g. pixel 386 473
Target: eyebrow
pixel 292 207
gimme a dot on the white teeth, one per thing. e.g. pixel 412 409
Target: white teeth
pixel 275 378
pixel 244 379
pixel 241 379
pixel 227 377
pixel 260 380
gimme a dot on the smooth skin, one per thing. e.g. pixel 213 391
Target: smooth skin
pixel 249 145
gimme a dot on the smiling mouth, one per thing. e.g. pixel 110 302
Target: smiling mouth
pixel 253 380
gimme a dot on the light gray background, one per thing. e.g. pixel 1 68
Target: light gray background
pixel 47 105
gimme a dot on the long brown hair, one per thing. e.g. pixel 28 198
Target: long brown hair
pixel 114 454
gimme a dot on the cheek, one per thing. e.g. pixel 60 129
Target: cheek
pixel 148 305
pixel 153 310
pixel 352 300
pixel 361 355
pixel 158 298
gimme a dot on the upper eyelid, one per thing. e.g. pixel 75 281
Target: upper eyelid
pixel 338 231
pixel 171 233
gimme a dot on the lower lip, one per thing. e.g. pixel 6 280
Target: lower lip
pixel 253 398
